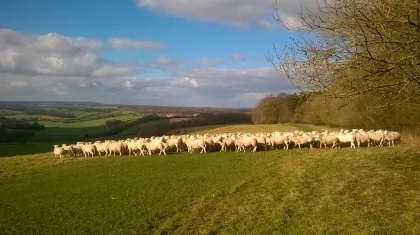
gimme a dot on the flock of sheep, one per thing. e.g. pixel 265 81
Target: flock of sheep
pixel 230 141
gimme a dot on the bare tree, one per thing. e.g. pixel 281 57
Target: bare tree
pixel 355 49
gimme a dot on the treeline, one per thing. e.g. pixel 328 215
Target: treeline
pixel 41 111
pixel 18 131
pixel 204 119
pixel 315 108
pixel 9 136
pixel 118 128
pixel 275 109
pixel 7 123
pixel 46 112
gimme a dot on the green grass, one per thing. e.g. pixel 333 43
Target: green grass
pixel 363 191
pixel 28 148
pixel 79 114
pixel 85 124
pixel 78 128
pixel 27 116
pixel 217 129
pixel 7 112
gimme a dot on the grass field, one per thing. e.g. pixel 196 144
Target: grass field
pixel 363 191
pixel 90 123
pixel 79 114
pixel 218 129
pixel 26 116
pixel 24 149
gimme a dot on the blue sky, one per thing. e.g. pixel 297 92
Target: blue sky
pixel 155 52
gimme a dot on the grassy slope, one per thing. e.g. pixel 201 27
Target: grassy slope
pixel 216 129
pixel 296 191
pixel 28 148
pixel 80 127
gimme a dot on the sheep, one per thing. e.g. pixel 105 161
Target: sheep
pixel 102 148
pixel 261 142
pixel 155 144
pixel 278 140
pixel 88 149
pixel 68 149
pixel 193 143
pixel 346 138
pixel 225 143
pixel 175 142
pixel 77 150
pixel 115 147
pixel 301 139
pixel 325 139
pixel 362 138
pixel 244 142
pixel 228 141
pixel 375 138
pixel 136 145
pixel 391 137
pixel 58 151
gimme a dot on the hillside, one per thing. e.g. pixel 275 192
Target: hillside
pixel 217 129
pixel 368 190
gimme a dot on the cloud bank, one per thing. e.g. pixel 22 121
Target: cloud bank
pixel 232 12
pixel 53 67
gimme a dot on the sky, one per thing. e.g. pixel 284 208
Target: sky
pixel 201 53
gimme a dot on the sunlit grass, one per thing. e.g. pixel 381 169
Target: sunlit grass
pixel 362 191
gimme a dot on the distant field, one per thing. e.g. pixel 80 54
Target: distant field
pixel 26 116
pixel 135 129
pixel 6 112
pixel 320 191
pixel 86 124
pixel 218 129
pixel 80 114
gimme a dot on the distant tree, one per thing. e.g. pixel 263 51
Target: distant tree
pixel 274 109
pixel 112 122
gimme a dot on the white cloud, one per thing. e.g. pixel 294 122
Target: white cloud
pixel 32 70
pixel 233 12
pixel 54 55
pixel 18 83
pixel 125 43
pixel 238 57
pixel 128 84
pixel 209 62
